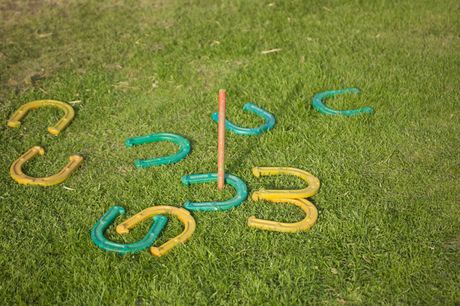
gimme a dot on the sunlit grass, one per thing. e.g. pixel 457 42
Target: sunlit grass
pixel 388 227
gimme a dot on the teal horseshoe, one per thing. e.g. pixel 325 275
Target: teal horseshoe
pixel 320 107
pixel 268 118
pixel 234 181
pixel 183 143
pixel 98 237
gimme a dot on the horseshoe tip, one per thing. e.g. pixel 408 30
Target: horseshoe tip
pixel 53 131
pixel 354 90
pixel 155 252
pixel 76 158
pixel 128 143
pixel 119 209
pixel 256 171
pixel 39 150
pixel 185 180
pixel 188 205
pixel 122 229
pixel 13 123
pixel 368 109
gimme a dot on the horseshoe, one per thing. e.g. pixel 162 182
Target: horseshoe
pixel 98 237
pixel 183 215
pixel 183 143
pixel 19 176
pixel 268 118
pixel 317 103
pixel 311 190
pixel 234 181
pixel 304 225
pixel 22 111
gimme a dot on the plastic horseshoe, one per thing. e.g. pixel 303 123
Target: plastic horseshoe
pixel 98 237
pixel 304 225
pixel 320 107
pixel 183 215
pixel 19 176
pixel 311 190
pixel 239 186
pixel 268 118
pixel 22 111
pixel 183 143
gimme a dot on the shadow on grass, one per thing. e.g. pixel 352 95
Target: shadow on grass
pixel 236 162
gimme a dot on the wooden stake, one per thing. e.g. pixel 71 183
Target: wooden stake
pixel 221 141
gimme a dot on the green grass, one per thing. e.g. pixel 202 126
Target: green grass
pixel 388 230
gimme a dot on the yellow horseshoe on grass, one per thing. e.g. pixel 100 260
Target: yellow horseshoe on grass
pixel 19 176
pixel 304 225
pixel 21 112
pixel 310 190
pixel 183 215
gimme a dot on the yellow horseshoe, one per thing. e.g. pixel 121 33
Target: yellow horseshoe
pixel 183 215
pixel 304 225
pixel 311 190
pixel 19 176
pixel 69 113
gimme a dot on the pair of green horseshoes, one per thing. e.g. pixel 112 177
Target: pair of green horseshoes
pixel 98 237
pixel 318 104
pixel 234 181
pixel 183 143
pixel 268 118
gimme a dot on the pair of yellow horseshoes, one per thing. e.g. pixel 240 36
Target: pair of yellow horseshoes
pixel 183 215
pixel 295 197
pixel 74 161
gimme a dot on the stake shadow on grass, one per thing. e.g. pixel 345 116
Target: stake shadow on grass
pixel 276 110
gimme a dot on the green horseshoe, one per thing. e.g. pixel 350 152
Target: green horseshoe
pixel 318 104
pixel 268 118
pixel 97 233
pixel 239 186
pixel 183 143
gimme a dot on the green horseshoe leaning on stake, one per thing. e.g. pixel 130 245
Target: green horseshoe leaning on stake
pixel 268 118
pixel 234 181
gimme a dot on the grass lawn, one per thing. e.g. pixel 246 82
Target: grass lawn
pixel 388 230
